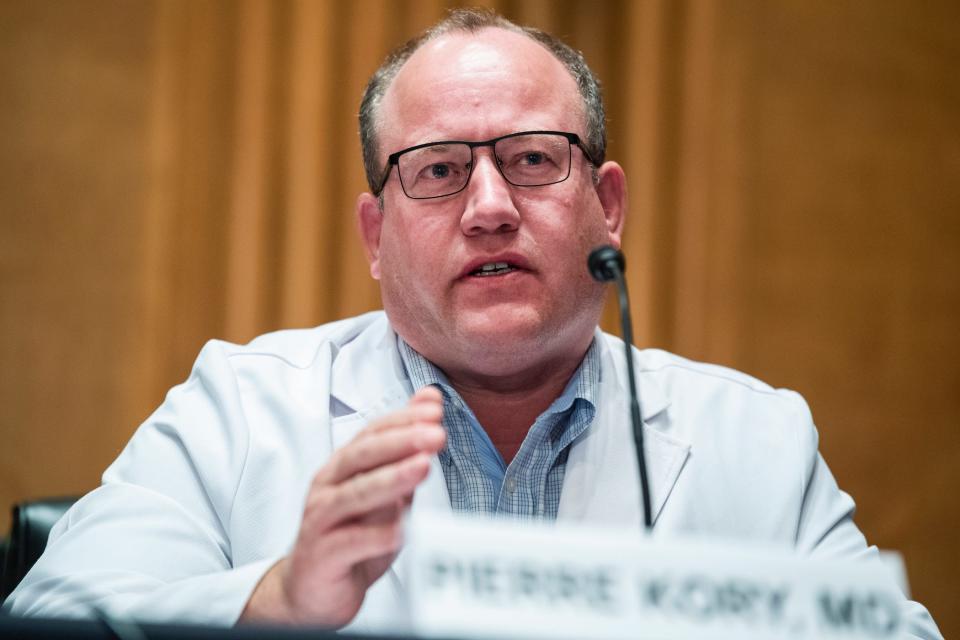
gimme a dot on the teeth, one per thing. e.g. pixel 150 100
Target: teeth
pixel 493 268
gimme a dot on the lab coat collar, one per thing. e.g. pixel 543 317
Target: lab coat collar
pixel 368 375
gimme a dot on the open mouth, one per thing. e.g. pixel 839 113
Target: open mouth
pixel 493 269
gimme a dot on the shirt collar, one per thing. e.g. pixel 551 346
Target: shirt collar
pixel 584 384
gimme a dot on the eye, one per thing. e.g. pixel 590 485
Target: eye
pixel 533 158
pixel 439 170
pixel 529 160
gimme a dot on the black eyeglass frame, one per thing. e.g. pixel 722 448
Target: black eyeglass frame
pixel 394 160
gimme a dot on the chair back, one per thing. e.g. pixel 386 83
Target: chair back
pixel 32 521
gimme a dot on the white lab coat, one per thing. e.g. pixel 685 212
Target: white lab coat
pixel 209 492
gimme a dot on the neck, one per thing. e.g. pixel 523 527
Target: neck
pixel 507 406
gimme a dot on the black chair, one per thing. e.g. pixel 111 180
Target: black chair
pixel 32 521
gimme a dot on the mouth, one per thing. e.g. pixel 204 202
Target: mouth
pixel 495 266
pixel 493 269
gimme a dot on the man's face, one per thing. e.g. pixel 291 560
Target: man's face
pixel 425 253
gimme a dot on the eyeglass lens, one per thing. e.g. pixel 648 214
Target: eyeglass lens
pixel 444 168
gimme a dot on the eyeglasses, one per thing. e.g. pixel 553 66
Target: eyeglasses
pixel 524 159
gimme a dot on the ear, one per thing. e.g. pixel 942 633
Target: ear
pixel 369 223
pixel 612 190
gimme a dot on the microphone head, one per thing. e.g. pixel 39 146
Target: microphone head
pixel 604 262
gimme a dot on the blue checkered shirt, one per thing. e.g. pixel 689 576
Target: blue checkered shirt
pixel 477 478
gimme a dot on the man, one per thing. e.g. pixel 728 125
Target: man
pixel 271 486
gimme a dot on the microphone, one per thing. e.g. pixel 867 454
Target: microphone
pixel 605 264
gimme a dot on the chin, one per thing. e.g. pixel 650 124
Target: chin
pixel 497 348
pixel 496 327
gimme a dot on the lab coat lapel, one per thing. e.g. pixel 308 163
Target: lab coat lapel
pixel 368 379
pixel 601 482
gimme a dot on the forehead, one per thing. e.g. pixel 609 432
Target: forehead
pixel 475 86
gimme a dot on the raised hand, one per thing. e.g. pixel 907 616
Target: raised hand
pixel 351 528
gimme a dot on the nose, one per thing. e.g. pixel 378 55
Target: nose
pixel 489 207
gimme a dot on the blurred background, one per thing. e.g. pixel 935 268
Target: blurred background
pixel 178 170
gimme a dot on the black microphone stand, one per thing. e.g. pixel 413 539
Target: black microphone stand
pixel 605 264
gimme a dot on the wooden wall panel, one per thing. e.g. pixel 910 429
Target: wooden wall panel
pixel 179 170
pixel 190 165
pixel 72 183
pixel 816 241
pixel 852 292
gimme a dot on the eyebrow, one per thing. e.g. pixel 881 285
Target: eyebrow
pixel 436 148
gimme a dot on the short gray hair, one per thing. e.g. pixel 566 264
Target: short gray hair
pixel 471 21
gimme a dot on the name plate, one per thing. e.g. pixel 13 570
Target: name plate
pixel 482 578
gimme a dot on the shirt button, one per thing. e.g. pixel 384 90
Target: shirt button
pixel 511 484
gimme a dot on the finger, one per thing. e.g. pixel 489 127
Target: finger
pixel 426 405
pixel 348 546
pixel 366 454
pixel 428 393
pixel 416 414
pixel 364 493
pixel 385 514
pixel 391 512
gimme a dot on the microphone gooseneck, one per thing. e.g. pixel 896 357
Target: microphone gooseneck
pixel 608 264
